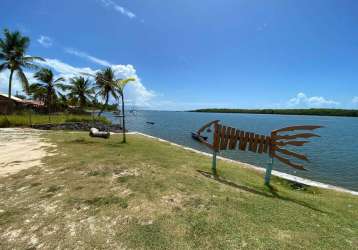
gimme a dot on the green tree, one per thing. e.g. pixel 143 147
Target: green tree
pixel 80 90
pixel 106 86
pixel 37 92
pixel 121 83
pixel 49 85
pixel 13 48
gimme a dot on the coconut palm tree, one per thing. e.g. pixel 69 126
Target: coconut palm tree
pixel 120 84
pixel 38 92
pixel 13 49
pixel 80 90
pixel 49 85
pixel 106 86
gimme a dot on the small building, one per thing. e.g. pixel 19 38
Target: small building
pixel 18 104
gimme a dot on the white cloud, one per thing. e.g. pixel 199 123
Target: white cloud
pixel 355 100
pixel 87 56
pixel 135 93
pixel 301 100
pixel 45 41
pixel 116 7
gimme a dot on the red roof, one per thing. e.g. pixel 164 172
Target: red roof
pixel 26 102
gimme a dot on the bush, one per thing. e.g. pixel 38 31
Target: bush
pixel 4 122
pixel 25 120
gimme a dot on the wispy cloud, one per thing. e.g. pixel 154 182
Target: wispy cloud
pixel 301 100
pixel 64 69
pixel 118 8
pixel 45 41
pixel 87 56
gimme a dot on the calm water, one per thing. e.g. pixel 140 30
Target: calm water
pixel 333 157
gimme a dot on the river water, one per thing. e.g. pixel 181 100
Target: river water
pixel 333 156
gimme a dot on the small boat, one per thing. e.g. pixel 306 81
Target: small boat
pixel 198 137
pixel 116 112
pixel 151 123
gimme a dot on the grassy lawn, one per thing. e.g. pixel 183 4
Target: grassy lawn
pixel 25 120
pixel 146 194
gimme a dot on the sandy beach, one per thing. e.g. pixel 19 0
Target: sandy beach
pixel 21 148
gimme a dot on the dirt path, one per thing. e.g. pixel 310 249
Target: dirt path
pixel 20 148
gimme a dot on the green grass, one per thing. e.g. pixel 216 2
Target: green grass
pixel 147 194
pixel 24 120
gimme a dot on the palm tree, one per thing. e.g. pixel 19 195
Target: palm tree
pixel 49 85
pixel 13 49
pixel 38 92
pixel 80 90
pixel 121 83
pixel 106 86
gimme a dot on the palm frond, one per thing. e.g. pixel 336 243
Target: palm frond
pixel 2 55
pixel 59 80
pixel 33 59
pixel 62 86
pixel 114 94
pixel 23 79
pixel 3 66
pixel 121 83
pixel 30 66
pixel 44 75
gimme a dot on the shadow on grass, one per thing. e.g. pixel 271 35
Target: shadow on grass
pixel 275 194
pixel 114 143
pixel 272 191
pixel 232 184
pixel 82 141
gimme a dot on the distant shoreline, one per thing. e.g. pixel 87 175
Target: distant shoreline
pixel 315 112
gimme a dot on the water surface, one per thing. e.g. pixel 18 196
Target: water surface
pixel 333 156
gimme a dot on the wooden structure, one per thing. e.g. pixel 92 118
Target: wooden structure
pixel 7 106
pixel 228 138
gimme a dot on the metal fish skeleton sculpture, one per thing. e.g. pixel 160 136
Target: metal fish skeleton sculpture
pixel 228 138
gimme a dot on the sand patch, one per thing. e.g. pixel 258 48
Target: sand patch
pixel 21 148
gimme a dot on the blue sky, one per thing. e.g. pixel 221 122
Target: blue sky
pixel 205 53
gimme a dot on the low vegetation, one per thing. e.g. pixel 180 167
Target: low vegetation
pixel 146 194
pixel 319 112
pixel 26 120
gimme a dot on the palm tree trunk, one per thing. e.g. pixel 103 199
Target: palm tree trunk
pixel 123 120
pixel 49 104
pixel 105 106
pixel 49 96
pixel 9 96
pixel 82 103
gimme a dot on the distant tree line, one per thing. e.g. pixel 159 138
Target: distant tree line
pixel 312 111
